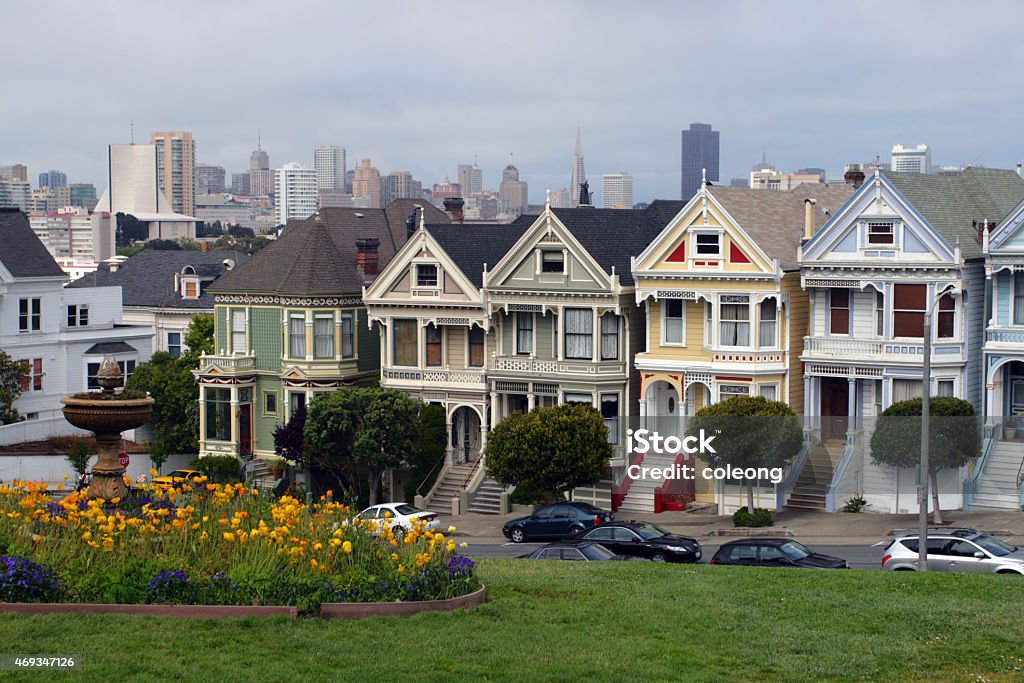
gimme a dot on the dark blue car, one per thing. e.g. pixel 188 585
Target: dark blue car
pixel 555 521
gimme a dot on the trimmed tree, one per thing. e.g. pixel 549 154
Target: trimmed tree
pixel 423 459
pixel 549 450
pixel 749 431
pixel 953 439
pixel 13 376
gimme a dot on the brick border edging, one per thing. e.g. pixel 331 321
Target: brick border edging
pixel 181 611
pixel 360 610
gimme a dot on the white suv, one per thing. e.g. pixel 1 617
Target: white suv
pixel 955 550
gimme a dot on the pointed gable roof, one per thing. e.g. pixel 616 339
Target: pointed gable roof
pixel 951 203
pixel 472 246
pixel 21 251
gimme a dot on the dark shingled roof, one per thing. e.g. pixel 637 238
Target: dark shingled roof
pixel 110 347
pixel 775 220
pixel 318 255
pixel 474 245
pixel 147 279
pixel 951 203
pixel 21 251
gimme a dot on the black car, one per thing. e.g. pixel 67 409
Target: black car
pixel 643 539
pixel 555 521
pixel 774 552
pixel 581 551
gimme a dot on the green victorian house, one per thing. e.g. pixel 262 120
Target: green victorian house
pixel 291 323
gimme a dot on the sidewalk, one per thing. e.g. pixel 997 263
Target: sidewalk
pixel 838 528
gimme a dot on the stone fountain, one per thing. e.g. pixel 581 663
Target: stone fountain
pixel 106 414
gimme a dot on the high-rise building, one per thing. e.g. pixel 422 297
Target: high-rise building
pixel 366 184
pixel 912 159
pixel 295 196
pixel 446 190
pixel 14 172
pixel 240 183
pixel 72 237
pixel 82 194
pixel 15 194
pixel 259 181
pixel 471 179
pixel 329 163
pixel 699 158
pixel 617 190
pixel 53 179
pixel 400 185
pixel 175 166
pixel 512 191
pixel 209 179
pixel 579 174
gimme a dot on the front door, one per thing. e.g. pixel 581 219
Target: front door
pixel 245 429
pixel 1016 396
pixel 835 408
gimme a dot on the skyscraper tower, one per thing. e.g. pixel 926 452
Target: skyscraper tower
pixel 261 178
pixel 471 179
pixel 329 162
pixel 700 152
pixel 175 165
pixel 579 174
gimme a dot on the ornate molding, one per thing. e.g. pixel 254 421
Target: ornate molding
pixel 316 383
pixel 303 301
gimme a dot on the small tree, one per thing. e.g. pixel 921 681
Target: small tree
pixel 289 439
pixel 199 336
pixel 78 455
pixel 550 450
pixel 953 439
pixel 749 431
pixel 13 376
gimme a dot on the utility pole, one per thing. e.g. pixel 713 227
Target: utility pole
pixel 923 481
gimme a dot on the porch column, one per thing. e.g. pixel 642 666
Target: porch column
pixel 494 409
pixel 990 402
pixel 421 347
pixel 560 337
pixel 450 449
pixel 234 419
pixel 810 310
pixel 851 402
pixel 531 402
pixel 309 335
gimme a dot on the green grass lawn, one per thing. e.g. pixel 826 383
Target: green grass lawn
pixel 561 621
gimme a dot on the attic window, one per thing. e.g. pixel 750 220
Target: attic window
pixel 881 233
pixel 190 288
pixel 426 275
pixel 708 244
pixel 552 262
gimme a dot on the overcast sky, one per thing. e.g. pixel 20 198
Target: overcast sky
pixel 425 86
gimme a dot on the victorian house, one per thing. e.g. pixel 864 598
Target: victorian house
pixel 903 248
pixel 725 316
pixel 291 322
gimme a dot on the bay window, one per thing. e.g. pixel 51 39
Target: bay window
pixel 609 336
pixel 908 310
pixel 348 335
pixel 238 331
pixel 1018 298
pixel 323 336
pixel 404 344
pixel 476 347
pixel 297 336
pixel 218 414
pixel 945 320
pixel 769 324
pixel 579 333
pixel 839 311
pixel 434 346
pixel 734 329
pixel 524 333
pixel 673 326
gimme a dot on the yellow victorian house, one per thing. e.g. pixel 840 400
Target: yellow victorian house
pixel 725 311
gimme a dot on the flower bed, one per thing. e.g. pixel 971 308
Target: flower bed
pixel 215 545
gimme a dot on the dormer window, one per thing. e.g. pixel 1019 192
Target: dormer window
pixel 708 244
pixel 190 289
pixel 552 262
pixel 883 232
pixel 426 275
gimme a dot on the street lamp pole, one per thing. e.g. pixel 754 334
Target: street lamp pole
pixel 922 479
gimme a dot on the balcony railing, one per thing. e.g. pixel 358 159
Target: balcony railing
pixel 230 363
pixel 997 336
pixel 536 366
pixel 833 348
pixel 435 376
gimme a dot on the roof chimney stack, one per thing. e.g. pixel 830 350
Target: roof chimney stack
pixel 367 258
pixel 1018 168
pixel 854 175
pixel 453 206
pixel 808 218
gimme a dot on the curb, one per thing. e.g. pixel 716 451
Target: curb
pixel 180 611
pixel 750 532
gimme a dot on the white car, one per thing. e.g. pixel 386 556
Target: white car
pixel 400 517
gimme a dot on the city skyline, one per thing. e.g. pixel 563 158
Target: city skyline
pixel 500 107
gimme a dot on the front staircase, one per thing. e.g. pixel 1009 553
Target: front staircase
pixel 487 500
pixel 640 496
pixel 998 486
pixel 815 477
pixel 451 484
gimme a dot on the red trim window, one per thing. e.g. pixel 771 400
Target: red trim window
pixel 946 318
pixel 908 311
pixel 839 311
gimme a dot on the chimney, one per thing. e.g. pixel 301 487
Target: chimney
pixel 367 258
pixel 809 218
pixel 854 175
pixel 410 223
pixel 453 206
pixel 1018 169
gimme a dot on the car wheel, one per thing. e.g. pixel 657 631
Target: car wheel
pixel 575 530
pixel 518 536
pixel 657 557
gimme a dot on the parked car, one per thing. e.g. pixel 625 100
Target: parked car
pixel 400 517
pixel 774 552
pixel 955 550
pixel 587 551
pixel 643 539
pixel 555 521
pixel 175 478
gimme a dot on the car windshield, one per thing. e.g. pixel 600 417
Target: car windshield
pixel 649 531
pixel 994 545
pixel 794 550
pixel 596 551
pixel 404 509
pixel 178 473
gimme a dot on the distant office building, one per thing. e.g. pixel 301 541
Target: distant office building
pixel 366 185
pixel 73 238
pixel 329 164
pixel 699 156
pixel 350 174
pixel 175 167
pixel 617 190
pixel 560 199
pixel 738 182
pixel 44 200
pixel 14 172
pixel 912 159
pixel 446 190
pixel 15 194
pixel 260 179
pixel 578 175
pixel 400 185
pixel 513 192
pixel 813 170
pixel 259 160
pixel 82 194
pixel 471 179
pixel 766 177
pixel 224 208
pixel 53 179
pixel 334 199
pixel 240 183
pixel 209 179
pixel 295 196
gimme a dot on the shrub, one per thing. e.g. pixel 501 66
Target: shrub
pixel 759 517
pixel 855 504
pixel 223 469
pixel 22 580
pixel 171 587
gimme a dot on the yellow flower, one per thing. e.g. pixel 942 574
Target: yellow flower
pixel 451 530
pixel 318 546
pixel 229 537
pixel 346 547
pixel 401 569
pixel 451 546
pixel 463 545
pixel 439 537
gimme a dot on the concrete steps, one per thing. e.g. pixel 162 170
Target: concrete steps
pixel 814 479
pixel 440 499
pixel 998 486
pixel 487 500
pixel 640 497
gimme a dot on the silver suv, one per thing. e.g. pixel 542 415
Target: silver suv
pixel 955 550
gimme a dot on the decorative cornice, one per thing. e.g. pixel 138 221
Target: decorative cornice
pixel 274 300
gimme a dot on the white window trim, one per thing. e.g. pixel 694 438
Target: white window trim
pixel 750 325
pixel 444 347
pixel 1013 294
pixel 696 255
pixel 302 317
pixel 774 385
pixel 664 325
pixel 437 274
pixel 896 234
pixel 849 313
pixel 515 335
pixel 334 338
pixel 775 345
pixel 263 403
pixel 245 330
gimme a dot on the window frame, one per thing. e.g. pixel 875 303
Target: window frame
pixel 423 275
pixel 436 344
pixel 30 315
pixel 522 349
pixel 699 249
pixel 407 345
pixel 293 336
pixel 774 386
pixel 833 309
pixel 545 261
pixel 898 313
pixel 244 332
pixel 609 334
pixel 946 315
pixel 610 422
pixel 870 235
pixel 213 431
pixel 578 336
pixel 268 395
pixel 666 318
pixel 770 304
pixel 722 320
pixel 472 343
pixel 318 338
pixel 178 345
